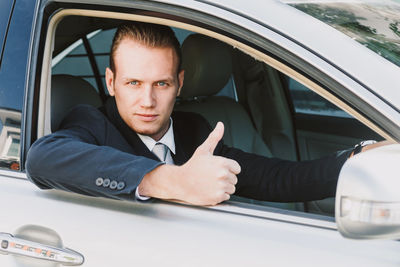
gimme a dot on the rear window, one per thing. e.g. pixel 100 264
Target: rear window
pixel 6 7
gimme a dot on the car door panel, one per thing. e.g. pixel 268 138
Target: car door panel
pixel 320 135
pixel 119 233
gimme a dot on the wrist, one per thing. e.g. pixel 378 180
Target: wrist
pixel 160 182
pixel 360 147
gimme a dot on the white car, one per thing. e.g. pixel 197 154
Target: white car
pixel 289 86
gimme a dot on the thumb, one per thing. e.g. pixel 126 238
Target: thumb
pixel 212 140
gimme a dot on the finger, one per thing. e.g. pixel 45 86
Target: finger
pixel 212 140
pixel 226 197
pixel 230 189
pixel 233 166
pixel 232 179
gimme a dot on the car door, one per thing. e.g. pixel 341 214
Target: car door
pixel 110 232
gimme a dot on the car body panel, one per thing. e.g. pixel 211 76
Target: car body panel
pixel 124 233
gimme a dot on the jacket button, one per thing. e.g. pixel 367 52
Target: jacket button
pixel 99 181
pixel 113 184
pixel 106 182
pixel 121 185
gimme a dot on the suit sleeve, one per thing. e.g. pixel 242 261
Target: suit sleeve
pixel 74 157
pixel 272 179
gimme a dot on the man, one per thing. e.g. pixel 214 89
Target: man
pixel 112 151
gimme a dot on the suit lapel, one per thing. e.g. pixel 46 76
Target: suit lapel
pixel 181 156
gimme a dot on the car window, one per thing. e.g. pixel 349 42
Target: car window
pixel 306 101
pixel 13 64
pixel 75 59
pixel 10 124
pixel 5 12
pixel 375 24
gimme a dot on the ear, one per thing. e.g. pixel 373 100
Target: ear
pixel 181 76
pixel 110 81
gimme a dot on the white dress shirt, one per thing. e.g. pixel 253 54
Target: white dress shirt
pixel 168 140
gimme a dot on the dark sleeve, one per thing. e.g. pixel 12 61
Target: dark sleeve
pixel 83 150
pixel 273 179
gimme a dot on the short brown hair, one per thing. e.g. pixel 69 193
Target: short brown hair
pixel 152 35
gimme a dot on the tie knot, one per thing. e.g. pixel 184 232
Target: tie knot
pixel 160 150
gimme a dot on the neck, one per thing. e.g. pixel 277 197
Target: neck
pixel 159 135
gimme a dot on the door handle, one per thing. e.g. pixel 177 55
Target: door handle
pixel 18 246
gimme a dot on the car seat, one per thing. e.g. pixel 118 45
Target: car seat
pixel 68 91
pixel 208 67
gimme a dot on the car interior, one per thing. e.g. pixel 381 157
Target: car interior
pixel 264 111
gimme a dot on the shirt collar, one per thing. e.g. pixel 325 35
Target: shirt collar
pixel 167 139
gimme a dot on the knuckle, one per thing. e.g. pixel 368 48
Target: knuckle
pixel 224 173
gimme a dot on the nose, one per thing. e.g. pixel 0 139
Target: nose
pixel 147 98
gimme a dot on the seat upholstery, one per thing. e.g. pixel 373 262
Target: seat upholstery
pixel 68 91
pixel 208 67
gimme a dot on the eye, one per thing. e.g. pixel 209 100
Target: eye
pixel 134 83
pixel 161 83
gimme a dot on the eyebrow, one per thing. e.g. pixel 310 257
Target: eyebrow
pixel 166 79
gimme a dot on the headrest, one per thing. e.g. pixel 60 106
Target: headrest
pixel 68 91
pixel 207 64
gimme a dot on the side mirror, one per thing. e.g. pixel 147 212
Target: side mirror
pixel 368 195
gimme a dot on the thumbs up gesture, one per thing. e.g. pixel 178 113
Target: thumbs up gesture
pixel 207 179
pixel 204 180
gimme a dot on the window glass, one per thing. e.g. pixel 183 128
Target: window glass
pixel 5 11
pixel 306 101
pixel 79 50
pixel 229 89
pixel 101 45
pixel 76 64
pixel 13 79
pixel 10 123
pixel 375 24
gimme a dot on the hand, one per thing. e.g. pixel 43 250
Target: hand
pixel 204 180
pixel 378 144
pixel 372 146
pixel 208 179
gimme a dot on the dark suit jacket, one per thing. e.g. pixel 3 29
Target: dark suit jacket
pixel 93 143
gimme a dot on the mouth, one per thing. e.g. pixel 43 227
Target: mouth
pixel 146 117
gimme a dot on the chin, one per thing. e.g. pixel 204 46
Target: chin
pixel 147 129
pixel 150 131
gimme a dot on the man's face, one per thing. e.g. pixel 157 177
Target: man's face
pixel 145 85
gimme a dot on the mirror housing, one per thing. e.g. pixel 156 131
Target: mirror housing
pixel 368 195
